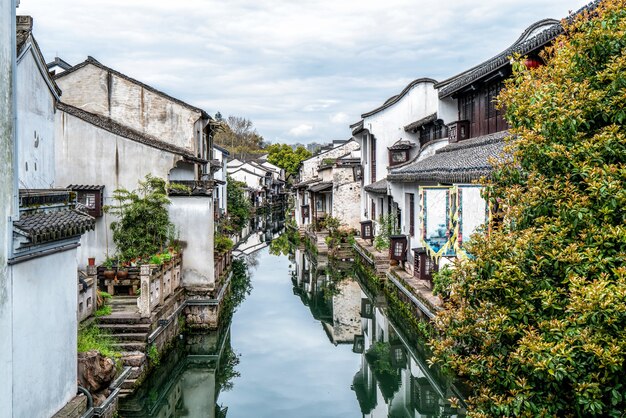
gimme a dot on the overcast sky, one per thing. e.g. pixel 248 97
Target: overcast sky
pixel 300 70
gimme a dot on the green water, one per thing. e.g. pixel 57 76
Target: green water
pixel 302 344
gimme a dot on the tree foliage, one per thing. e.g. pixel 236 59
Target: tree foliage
pixel 238 136
pixel 284 156
pixel 238 205
pixel 536 320
pixel 143 227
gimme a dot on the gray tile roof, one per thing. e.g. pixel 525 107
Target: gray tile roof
pixel 320 187
pixel 118 129
pixel 40 227
pixel 421 122
pixel 462 162
pixel 379 187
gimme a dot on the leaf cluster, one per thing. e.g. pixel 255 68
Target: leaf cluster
pixel 285 157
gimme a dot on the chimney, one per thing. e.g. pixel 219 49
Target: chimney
pixel 24 23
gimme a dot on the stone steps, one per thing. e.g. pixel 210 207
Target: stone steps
pixel 123 318
pixel 130 346
pixel 117 329
pixel 131 337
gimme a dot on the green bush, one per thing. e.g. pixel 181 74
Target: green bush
pixel 93 338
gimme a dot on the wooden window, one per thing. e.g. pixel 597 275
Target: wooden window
pixel 411 214
pixel 373 216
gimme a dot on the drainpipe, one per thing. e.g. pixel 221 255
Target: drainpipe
pixel 88 395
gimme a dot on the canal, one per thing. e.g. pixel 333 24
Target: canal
pixel 307 341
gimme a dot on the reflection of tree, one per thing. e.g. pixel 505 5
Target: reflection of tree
pixel 226 371
pixel 379 358
pixel 281 246
pixel 240 287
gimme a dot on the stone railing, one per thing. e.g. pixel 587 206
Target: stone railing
pixel 157 282
pixel 222 263
pixel 87 296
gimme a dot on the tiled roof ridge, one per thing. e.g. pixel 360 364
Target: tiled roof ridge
pixel 116 128
pixel 91 60
pixel 421 122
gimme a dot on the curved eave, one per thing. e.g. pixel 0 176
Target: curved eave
pixel 395 99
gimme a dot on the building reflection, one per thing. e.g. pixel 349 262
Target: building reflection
pixel 189 381
pixel 394 380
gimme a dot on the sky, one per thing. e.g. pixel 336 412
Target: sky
pixel 302 71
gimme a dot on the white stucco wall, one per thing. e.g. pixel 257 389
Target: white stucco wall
pixel 253 181
pixel 86 154
pixel 387 126
pixel 44 334
pixel 193 217
pixel 35 124
pixel 96 90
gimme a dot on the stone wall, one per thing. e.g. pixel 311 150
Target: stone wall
pixel 346 196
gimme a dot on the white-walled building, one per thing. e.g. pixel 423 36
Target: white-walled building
pixel 112 131
pixel 385 143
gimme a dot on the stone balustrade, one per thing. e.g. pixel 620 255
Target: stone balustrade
pixel 157 282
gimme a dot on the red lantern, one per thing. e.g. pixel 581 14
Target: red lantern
pixel 531 63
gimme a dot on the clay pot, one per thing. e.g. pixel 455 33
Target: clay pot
pixel 122 274
pixel 109 274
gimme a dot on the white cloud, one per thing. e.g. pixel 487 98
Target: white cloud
pixel 301 130
pixel 271 61
pixel 339 118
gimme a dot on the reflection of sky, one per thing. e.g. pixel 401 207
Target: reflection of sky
pixel 288 366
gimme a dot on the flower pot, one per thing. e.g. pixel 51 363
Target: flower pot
pixel 122 274
pixel 91 261
pixel 109 274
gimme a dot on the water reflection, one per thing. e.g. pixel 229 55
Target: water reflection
pixel 394 380
pixel 317 346
pixel 188 380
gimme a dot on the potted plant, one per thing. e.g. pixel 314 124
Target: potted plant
pixel 122 271
pixel 109 270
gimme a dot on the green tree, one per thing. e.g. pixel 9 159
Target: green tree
pixel 536 321
pixel 285 157
pixel 143 227
pixel 238 205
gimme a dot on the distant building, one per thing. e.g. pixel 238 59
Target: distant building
pixel 220 196
pixel 328 184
